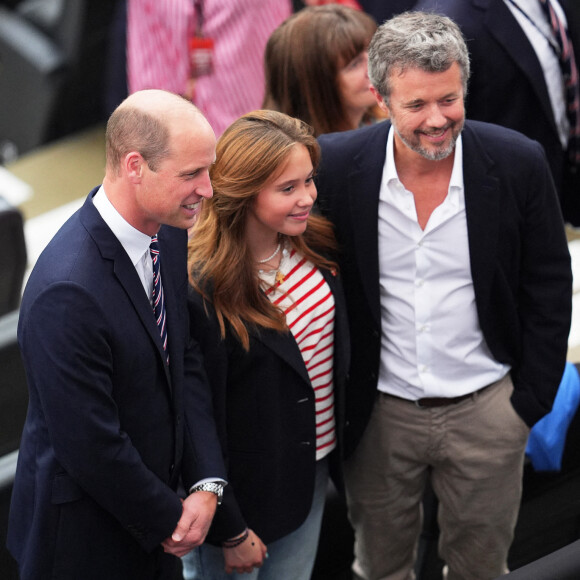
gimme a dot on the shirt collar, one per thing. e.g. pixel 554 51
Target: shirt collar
pixel 134 242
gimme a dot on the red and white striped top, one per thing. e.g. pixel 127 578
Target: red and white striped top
pixel 308 305
pixel 158 54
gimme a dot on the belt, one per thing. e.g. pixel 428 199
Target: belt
pixel 429 402
pixel 441 401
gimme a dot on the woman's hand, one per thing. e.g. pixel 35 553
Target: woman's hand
pixel 246 556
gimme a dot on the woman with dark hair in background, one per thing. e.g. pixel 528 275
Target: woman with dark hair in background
pixel 316 68
pixel 268 312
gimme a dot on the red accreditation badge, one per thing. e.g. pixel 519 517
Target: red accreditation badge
pixel 200 56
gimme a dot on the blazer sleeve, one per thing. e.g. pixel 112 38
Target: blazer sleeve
pixel 202 454
pixel 544 295
pixel 228 520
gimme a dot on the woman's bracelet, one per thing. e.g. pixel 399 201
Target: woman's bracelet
pixel 234 542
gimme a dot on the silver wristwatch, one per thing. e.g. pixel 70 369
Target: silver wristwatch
pixel 212 487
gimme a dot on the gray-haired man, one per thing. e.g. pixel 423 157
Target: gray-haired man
pixel 458 283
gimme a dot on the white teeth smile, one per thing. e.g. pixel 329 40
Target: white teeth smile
pixel 191 205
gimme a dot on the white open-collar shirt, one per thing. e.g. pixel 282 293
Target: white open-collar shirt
pixel 431 341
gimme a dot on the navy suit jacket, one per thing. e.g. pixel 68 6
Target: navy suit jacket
pixel 520 262
pixel 105 435
pixel 265 411
pixel 507 86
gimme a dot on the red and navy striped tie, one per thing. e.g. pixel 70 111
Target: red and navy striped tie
pixel 158 299
pixel 570 74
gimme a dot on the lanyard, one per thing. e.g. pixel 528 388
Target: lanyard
pixel 198 10
pixel 553 44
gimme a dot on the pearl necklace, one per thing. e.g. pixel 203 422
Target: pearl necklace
pixel 279 276
pixel 272 256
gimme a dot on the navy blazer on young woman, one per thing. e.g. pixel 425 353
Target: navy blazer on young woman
pixel 518 251
pixel 264 409
pixel 105 436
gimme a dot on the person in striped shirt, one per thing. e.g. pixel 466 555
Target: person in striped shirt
pixel 158 57
pixel 268 312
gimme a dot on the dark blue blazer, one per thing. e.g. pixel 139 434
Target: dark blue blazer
pixel 264 408
pixel 507 85
pixel 520 262
pixel 105 436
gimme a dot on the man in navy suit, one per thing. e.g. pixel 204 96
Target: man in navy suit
pixel 516 78
pixel 458 284
pixel 117 420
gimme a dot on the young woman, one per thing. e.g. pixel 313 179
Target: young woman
pixel 316 68
pixel 267 309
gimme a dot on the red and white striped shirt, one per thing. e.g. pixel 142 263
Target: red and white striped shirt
pixel 308 305
pixel 158 54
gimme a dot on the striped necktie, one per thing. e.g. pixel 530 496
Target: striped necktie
pixel 158 299
pixel 570 74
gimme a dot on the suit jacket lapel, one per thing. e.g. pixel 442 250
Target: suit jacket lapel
pixel 482 203
pixel 500 23
pixel 111 249
pixel 364 183
pixel 284 346
pixel 130 281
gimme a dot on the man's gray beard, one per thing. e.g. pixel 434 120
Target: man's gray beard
pixel 436 155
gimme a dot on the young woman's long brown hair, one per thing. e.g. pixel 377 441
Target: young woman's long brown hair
pixel 250 154
pixel 303 57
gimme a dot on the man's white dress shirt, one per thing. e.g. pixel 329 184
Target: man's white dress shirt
pixel 432 344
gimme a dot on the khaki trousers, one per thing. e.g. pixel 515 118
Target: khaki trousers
pixel 473 451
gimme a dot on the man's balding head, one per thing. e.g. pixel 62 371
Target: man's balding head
pixel 144 122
